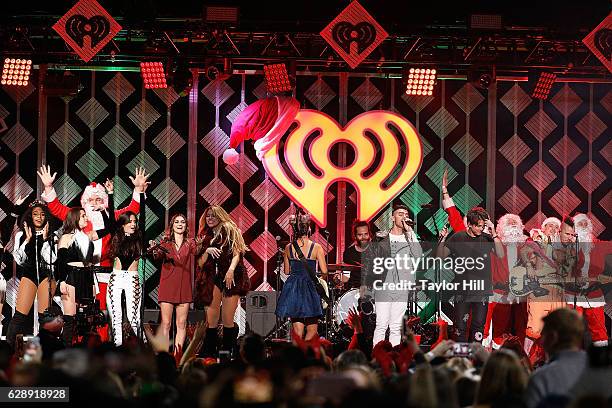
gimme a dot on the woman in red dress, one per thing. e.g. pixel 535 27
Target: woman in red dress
pixel 175 284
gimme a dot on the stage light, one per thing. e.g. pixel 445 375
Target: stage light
pixel 420 81
pixel 153 75
pixel 543 85
pixel 16 71
pixel 277 78
pixel 181 79
pixel 220 14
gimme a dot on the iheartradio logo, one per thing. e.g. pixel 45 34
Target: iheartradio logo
pixel 388 156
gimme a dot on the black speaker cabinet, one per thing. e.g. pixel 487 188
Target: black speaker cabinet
pixel 260 308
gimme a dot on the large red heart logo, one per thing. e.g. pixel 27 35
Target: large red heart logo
pixel 372 195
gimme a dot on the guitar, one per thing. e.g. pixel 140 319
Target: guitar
pixel 520 284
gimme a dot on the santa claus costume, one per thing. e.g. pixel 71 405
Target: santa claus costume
pixel 591 263
pixel 95 222
pixel 508 312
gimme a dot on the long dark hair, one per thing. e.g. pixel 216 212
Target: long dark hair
pixel 169 233
pixel 71 223
pixel 126 246
pixel 27 216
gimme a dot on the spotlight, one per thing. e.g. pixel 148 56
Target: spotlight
pixel 482 77
pixel 484 81
pixel 181 80
pixel 277 78
pixel 153 75
pixel 420 81
pixel 543 85
pixel 16 71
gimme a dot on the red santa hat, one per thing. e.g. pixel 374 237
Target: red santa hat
pixel 94 189
pixel 265 122
pixel 551 220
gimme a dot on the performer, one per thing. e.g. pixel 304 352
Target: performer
pixel 353 254
pixel 539 307
pixel 175 284
pixel 548 234
pixel 508 312
pixel 34 252
pixel 299 299
pixel 222 277
pixel 472 243
pixel 591 262
pixel 6 230
pixel 94 195
pixel 391 303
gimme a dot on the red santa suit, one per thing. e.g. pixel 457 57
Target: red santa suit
pixel 508 313
pixel 95 222
pixel 591 263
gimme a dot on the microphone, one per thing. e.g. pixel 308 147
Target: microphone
pixel 325 232
pixel 277 238
pixel 409 222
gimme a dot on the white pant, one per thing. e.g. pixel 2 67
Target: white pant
pixel 119 282
pixel 389 314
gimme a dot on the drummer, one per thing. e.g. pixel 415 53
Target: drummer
pixel 353 254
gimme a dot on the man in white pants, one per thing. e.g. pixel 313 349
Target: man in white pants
pixel 400 243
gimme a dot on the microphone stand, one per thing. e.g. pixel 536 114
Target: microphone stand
pixel 330 306
pixel 437 277
pixel 576 274
pixel 279 263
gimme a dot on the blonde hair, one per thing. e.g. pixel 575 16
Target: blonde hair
pixel 233 235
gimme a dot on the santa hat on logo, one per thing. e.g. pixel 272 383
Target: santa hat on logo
pixel 265 122
pixel 94 189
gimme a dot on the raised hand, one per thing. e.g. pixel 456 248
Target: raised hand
pixel 20 200
pixel 490 227
pixel 443 233
pixel 109 185
pixel 45 231
pixel 46 177
pixel 354 320
pixel 158 341
pixel 445 181
pixel 140 180
pixel 28 232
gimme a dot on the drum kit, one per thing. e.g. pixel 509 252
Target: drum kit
pixel 345 299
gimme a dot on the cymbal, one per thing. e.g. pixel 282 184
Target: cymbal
pixel 343 267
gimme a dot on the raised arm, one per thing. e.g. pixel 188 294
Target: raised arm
pixel 140 186
pixel 454 216
pixel 56 208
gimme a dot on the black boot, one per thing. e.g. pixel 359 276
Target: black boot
pixel 68 331
pixel 18 325
pixel 210 343
pixel 230 335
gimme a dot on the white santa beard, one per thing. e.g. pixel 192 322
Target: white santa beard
pixel 511 234
pixel 95 217
pixel 585 239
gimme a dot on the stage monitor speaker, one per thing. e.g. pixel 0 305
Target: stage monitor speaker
pixel 260 308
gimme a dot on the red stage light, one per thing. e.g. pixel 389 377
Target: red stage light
pixel 544 85
pixel 420 81
pixel 153 75
pixel 16 71
pixel 277 78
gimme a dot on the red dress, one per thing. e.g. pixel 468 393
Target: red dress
pixel 176 283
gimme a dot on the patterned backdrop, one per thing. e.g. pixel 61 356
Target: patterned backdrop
pixel 503 150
